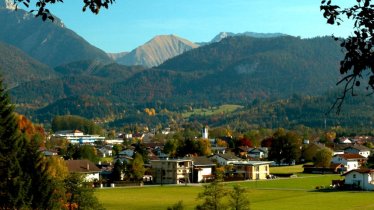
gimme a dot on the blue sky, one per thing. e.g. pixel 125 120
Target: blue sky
pixel 130 23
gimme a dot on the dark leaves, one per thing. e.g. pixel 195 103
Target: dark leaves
pixel 42 11
pixel 358 47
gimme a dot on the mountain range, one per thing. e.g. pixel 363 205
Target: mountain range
pixel 50 70
pixel 236 70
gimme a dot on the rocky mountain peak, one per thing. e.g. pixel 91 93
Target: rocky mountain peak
pixel 157 50
pixel 7 4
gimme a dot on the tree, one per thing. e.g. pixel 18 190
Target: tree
pixel 238 199
pixel 203 147
pixel 310 151
pixel 138 167
pixel 170 147
pixel 117 148
pixel 177 206
pixel 45 191
pixel 57 168
pixel 25 178
pixel 13 186
pixel 71 122
pixel 245 141
pixel 286 147
pixel 357 64
pixel 80 194
pixel 323 158
pixel 212 195
pixel 87 152
pixel 118 170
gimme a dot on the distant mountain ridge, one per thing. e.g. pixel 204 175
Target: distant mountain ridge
pixel 237 70
pixel 16 67
pixel 49 42
pixel 223 35
pixel 156 51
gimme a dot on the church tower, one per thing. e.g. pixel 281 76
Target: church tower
pixel 204 132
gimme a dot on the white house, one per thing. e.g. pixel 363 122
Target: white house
pixel 106 152
pixel 358 149
pixel 202 169
pixel 350 161
pixel 360 178
pixel 86 167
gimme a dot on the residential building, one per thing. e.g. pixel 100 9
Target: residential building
pixel 202 169
pixel 105 152
pixel 90 170
pixel 252 170
pixel 175 171
pixel 350 161
pixel 225 159
pixel 358 149
pixel 360 178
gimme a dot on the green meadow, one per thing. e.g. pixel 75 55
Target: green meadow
pixel 279 194
pixel 226 108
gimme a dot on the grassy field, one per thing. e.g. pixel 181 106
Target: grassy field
pixel 227 108
pixel 286 169
pixel 279 194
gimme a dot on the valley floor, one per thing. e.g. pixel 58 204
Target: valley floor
pixel 281 194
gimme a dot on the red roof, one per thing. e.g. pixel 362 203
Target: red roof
pixel 349 156
pixel 361 171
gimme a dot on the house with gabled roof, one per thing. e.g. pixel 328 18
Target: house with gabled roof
pixel 360 179
pixel 202 169
pixel 105 152
pixel 349 160
pixel 225 159
pixel 90 171
pixel 258 153
pixel 358 149
pixel 254 152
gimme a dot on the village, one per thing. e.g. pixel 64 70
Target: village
pixel 114 166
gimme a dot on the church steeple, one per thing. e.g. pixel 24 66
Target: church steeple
pixel 204 132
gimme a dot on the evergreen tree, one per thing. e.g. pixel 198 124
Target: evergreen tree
pixel 238 199
pixel 138 167
pixel 13 186
pixel 45 191
pixel 212 195
pixel 117 171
